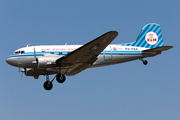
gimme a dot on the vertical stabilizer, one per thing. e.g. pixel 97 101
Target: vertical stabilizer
pixel 149 37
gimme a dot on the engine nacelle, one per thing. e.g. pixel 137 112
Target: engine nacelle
pixel 46 61
pixel 32 72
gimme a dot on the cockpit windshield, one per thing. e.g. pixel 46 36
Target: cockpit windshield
pixel 18 52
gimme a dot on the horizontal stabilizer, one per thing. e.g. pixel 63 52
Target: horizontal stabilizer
pixel 164 48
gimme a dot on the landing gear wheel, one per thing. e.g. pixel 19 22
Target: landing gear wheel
pixel 48 85
pixel 60 78
pixel 145 62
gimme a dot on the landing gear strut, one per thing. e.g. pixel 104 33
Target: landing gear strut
pixel 61 77
pixel 144 61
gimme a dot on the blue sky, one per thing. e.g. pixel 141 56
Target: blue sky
pixel 124 91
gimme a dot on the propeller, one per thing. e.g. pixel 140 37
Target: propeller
pixel 19 70
pixel 34 61
pixel 22 71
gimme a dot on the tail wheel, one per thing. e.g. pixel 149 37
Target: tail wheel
pixel 60 78
pixel 145 62
pixel 48 85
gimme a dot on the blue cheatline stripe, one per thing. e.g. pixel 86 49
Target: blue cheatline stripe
pixel 102 53
pixel 55 52
pixel 11 56
pixel 119 51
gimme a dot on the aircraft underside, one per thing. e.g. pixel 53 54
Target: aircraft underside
pixel 61 71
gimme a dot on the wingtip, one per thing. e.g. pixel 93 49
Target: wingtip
pixel 113 32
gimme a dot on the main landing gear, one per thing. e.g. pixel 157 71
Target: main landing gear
pixel 144 61
pixel 48 84
pixel 59 77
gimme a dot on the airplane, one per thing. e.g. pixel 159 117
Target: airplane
pixel 68 60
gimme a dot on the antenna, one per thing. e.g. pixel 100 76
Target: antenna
pixel 28 45
pixel 66 44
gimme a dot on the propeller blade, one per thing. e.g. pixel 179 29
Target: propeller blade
pixel 34 54
pixel 19 70
pixel 34 61
pixel 22 71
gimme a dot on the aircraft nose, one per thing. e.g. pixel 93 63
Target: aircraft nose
pixel 9 61
pixel 14 62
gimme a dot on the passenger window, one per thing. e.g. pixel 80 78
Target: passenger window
pixel 60 53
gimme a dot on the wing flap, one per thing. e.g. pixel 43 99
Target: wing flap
pixel 76 68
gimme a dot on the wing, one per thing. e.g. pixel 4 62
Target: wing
pixel 83 57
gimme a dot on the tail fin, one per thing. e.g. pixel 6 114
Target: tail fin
pixel 149 37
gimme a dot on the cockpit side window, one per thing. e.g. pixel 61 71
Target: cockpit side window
pixel 22 52
pixel 16 52
pixel 19 52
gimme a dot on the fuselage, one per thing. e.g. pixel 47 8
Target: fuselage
pixel 112 54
